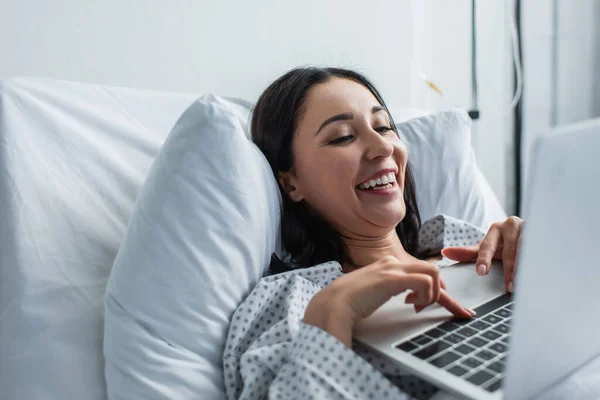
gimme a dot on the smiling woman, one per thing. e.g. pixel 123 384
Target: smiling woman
pixel 352 228
pixel 315 126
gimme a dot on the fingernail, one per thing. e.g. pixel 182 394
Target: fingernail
pixel 481 269
pixel 472 312
pixel 511 287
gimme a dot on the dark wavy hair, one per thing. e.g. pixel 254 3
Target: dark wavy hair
pixel 308 238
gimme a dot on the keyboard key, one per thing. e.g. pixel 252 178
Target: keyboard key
pixel 504 313
pixel 502 328
pixel 485 355
pixel 472 362
pixel 431 350
pixel 492 319
pixel 509 306
pixel 407 346
pixel 435 333
pixel 448 326
pixel 493 305
pixel 478 342
pixel 422 340
pixel 479 378
pixel 496 367
pixel 491 335
pixel 479 325
pixel 464 349
pixel 494 386
pixel 505 339
pixel 445 359
pixel 461 321
pixel 499 347
pixel 466 331
pixel 458 370
pixel 454 338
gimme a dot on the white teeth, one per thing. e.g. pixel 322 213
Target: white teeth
pixel 386 180
pixel 388 186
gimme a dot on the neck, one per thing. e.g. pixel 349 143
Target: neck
pixel 366 250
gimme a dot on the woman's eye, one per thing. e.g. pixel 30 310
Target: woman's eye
pixel 342 139
pixel 382 129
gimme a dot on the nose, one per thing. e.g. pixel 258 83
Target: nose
pixel 377 145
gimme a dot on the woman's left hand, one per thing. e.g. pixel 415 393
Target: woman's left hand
pixel 500 243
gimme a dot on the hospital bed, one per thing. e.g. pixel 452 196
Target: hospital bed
pixel 73 157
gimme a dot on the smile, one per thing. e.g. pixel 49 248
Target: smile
pixel 385 181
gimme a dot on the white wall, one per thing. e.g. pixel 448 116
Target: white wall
pixel 538 36
pixel 577 71
pixel 230 47
pixel 238 47
pixel 561 42
pixel 596 87
pixel 445 59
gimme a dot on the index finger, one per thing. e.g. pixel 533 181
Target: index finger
pixel 453 306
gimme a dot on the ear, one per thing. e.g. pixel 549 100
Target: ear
pixel 289 183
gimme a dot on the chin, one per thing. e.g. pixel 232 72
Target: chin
pixel 391 218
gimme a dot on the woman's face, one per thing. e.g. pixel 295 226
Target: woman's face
pixel 344 141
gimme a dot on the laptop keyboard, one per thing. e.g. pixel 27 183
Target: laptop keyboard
pixel 473 349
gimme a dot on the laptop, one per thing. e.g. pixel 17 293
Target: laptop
pixel 520 345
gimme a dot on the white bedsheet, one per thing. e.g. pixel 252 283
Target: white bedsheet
pixel 72 159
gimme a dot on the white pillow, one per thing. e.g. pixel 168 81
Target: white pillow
pixel 447 178
pixel 201 235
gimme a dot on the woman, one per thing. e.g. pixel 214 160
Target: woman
pixel 351 226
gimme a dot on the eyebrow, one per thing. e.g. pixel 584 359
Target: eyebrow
pixel 345 117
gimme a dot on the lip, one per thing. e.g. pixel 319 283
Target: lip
pixel 378 174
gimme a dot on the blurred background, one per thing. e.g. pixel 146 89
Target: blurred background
pixel 521 67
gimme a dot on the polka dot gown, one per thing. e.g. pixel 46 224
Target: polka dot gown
pixel 271 353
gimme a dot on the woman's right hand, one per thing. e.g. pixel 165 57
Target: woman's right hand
pixel 355 296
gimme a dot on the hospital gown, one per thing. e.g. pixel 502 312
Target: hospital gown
pixel 271 353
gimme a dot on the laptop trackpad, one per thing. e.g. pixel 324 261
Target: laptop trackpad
pixel 395 320
pixel 470 289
